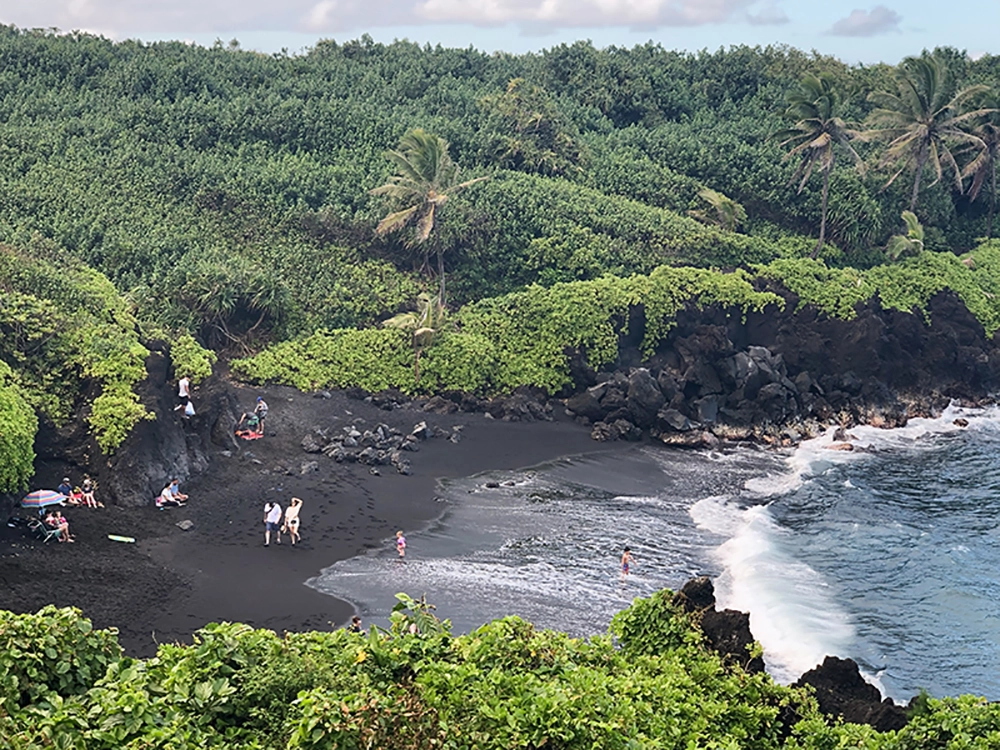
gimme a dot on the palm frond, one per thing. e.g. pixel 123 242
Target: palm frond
pixel 395 221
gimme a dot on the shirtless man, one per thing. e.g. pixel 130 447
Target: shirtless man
pixel 627 562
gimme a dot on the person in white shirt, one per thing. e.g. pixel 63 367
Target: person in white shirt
pixel 272 521
pixel 183 392
pixel 291 524
pixel 167 498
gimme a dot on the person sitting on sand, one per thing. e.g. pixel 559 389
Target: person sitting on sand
pixel 56 520
pixel 166 499
pixel 291 524
pixel 65 489
pixel 175 491
pixel 272 519
pixel 89 486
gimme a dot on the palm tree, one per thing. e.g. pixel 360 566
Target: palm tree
pixel 816 133
pixel 425 178
pixel 983 165
pixel 424 324
pixel 922 120
pixel 911 243
pixel 722 210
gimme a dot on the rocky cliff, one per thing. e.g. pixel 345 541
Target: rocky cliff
pixel 780 375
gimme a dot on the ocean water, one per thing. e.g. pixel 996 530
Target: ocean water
pixel 889 556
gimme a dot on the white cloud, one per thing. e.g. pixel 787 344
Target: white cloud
pixel 582 13
pixel 769 15
pixel 123 17
pixel 881 20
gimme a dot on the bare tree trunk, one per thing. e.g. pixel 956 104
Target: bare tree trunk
pixel 826 194
pixel 921 162
pixel 440 255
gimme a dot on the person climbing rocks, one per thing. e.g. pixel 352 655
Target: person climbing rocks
pixel 260 411
pixel 183 392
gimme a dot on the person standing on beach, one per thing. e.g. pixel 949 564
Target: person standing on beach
pixel 261 411
pixel 400 544
pixel 627 562
pixel 272 519
pixel 291 524
pixel 355 626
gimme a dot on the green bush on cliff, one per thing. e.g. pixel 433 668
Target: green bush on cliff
pixel 374 359
pixel 65 325
pixel 191 358
pixel 17 436
pixel 523 338
pixel 907 286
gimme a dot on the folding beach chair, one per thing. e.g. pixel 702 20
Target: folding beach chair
pixel 43 531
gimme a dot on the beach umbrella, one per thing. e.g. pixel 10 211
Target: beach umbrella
pixel 41 498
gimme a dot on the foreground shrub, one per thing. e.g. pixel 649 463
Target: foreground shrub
pixel 650 684
pixel 54 651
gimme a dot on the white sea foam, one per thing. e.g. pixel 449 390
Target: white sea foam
pixel 792 611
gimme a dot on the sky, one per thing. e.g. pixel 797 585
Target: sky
pixel 856 31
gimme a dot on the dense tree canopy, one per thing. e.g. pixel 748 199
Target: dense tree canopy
pixel 226 195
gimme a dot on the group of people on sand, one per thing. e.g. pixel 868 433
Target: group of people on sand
pixel 274 523
pixel 81 494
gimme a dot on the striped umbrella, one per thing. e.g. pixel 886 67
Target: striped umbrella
pixel 41 498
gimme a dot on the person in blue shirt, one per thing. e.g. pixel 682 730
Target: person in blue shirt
pixel 65 488
pixel 175 491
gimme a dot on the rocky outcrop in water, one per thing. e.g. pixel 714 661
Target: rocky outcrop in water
pixel 842 692
pixel 727 632
pixel 840 689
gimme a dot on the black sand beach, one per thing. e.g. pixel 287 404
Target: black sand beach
pixel 171 582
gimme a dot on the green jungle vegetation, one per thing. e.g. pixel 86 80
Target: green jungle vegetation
pixel 300 214
pixel 235 200
pixel 434 219
pixel 649 683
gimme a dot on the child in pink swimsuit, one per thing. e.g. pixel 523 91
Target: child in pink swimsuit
pixel 401 544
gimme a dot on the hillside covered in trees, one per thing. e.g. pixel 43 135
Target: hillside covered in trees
pixel 229 201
